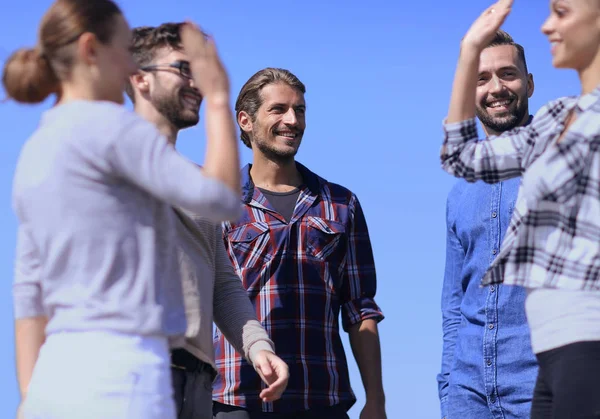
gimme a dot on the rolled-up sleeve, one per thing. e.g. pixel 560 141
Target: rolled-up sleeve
pixel 27 290
pixel 500 157
pixel 464 155
pixel 359 282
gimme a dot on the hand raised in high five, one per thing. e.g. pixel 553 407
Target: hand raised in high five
pixel 483 30
pixel 208 71
pixel 478 37
pixel 221 160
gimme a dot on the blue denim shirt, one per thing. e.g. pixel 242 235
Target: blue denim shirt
pixel 488 367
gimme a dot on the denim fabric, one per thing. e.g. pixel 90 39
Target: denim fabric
pixel 488 367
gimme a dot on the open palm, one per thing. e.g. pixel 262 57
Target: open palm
pixel 483 30
pixel 209 73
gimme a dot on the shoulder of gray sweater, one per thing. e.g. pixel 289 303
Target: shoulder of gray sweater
pixel 199 229
pixel 197 224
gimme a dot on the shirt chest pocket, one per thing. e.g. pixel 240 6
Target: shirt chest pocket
pixel 326 239
pixel 251 245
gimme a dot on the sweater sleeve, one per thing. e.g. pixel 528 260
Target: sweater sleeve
pixel 233 312
pixel 144 157
pixel 27 290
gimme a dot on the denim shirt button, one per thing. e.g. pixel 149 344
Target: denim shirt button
pixel 489 363
pixel 492 288
pixel 494 214
pixel 494 251
pixel 491 326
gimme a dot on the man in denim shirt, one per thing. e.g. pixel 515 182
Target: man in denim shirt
pixel 488 367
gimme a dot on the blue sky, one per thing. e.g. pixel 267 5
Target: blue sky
pixel 378 80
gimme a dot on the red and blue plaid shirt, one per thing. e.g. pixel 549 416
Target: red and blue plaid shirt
pixel 299 276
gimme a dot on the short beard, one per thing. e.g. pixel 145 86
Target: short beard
pixel 270 152
pixel 171 108
pixel 274 154
pixel 504 123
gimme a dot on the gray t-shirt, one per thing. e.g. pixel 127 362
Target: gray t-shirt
pixel 93 191
pixel 283 202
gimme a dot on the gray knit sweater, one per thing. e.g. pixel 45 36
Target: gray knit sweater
pixel 212 289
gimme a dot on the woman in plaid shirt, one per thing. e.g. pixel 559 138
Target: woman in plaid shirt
pixel 552 246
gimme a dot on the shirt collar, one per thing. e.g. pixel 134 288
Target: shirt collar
pixel 310 179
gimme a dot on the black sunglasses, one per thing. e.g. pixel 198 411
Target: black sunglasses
pixel 183 67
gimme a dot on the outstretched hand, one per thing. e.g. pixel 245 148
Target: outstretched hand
pixel 274 372
pixel 483 30
pixel 210 76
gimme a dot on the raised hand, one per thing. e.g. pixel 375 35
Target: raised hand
pixel 208 71
pixel 483 30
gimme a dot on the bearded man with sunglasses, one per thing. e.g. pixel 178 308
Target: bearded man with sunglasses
pixel 163 92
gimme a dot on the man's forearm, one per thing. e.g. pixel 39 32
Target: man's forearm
pixel 364 340
pixel 462 101
pixel 29 338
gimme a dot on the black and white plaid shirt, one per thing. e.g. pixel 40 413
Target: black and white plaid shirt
pixel 553 239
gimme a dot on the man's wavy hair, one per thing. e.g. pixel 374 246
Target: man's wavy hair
pixel 146 42
pixel 503 38
pixel 250 97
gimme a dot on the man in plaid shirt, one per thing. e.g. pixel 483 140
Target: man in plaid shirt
pixel 303 252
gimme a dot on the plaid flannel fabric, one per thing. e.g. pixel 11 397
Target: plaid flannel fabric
pixel 299 276
pixel 554 236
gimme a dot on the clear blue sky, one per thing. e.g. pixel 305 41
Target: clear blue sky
pixel 378 79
